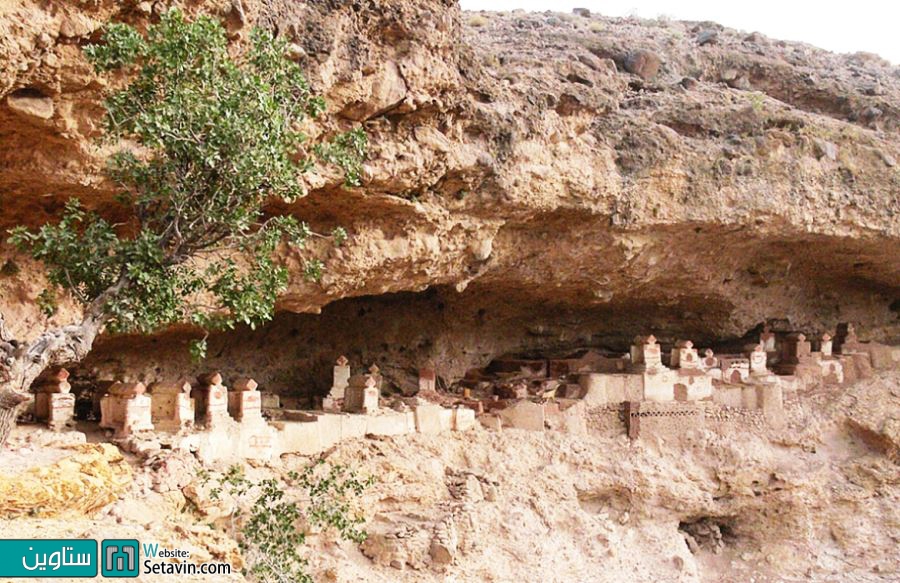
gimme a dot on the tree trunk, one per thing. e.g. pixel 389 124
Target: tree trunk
pixel 7 422
pixel 9 408
pixel 21 364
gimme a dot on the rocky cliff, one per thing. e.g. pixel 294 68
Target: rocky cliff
pixel 535 181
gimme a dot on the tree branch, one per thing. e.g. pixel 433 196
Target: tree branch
pixel 62 345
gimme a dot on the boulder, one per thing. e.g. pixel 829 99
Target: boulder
pixel 31 105
pixel 645 64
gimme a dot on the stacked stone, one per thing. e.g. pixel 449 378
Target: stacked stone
pixel 211 399
pixel 172 406
pixel 126 409
pixel 428 378
pixel 646 355
pixel 684 355
pixel 53 403
pixel 245 402
pixel 845 340
pixel 341 377
pixel 361 395
pixel 826 344
pixel 758 361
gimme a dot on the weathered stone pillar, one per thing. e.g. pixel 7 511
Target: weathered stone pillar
pixel 767 339
pixel 245 402
pixel 758 361
pixel 684 355
pixel 428 378
pixel 172 406
pixel 340 378
pixel 53 403
pixel 826 344
pixel 211 401
pixel 361 395
pixel 126 409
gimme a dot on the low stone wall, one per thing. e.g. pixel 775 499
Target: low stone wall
pixel 655 419
pixel 566 415
pixel 312 432
pixel 324 430
pixel 725 417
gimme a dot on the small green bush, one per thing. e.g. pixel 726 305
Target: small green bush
pixel 267 513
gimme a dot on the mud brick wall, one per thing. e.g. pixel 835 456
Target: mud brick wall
pixel 669 419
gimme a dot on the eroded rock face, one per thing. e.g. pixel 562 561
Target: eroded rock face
pixel 561 177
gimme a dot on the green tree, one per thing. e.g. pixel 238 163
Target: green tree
pixel 206 139
pixel 266 515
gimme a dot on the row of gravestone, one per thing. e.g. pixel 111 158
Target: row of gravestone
pixel 359 393
pixel 126 408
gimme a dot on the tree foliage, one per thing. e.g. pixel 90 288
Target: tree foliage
pixel 209 138
pixel 268 512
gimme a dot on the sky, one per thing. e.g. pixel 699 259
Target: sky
pixel 841 26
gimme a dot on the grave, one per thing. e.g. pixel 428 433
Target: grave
pixel 735 368
pixel 211 401
pixel 757 360
pixel 126 409
pixel 646 355
pixel 826 344
pixel 245 402
pixel 523 415
pixel 340 380
pixel 659 384
pixel 172 408
pixel 692 384
pixel 845 339
pixel 427 378
pixel 796 355
pixel 376 374
pixel 428 418
pixel 54 404
pixel 684 355
pixel 767 339
pixel 361 395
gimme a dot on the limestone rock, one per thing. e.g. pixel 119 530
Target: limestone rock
pixel 31 105
pixel 521 132
pixel 825 149
pixel 645 64
pixel 381 92
pixel 75 25
pixel 708 37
